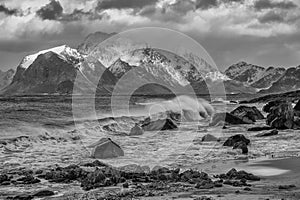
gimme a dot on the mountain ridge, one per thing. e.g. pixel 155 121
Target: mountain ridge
pixel 55 70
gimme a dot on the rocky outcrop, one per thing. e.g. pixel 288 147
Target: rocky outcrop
pixel 227 119
pixel 233 174
pixel 6 78
pixel 248 114
pixel 281 114
pixel 106 148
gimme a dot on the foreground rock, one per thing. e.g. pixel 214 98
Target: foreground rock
pixel 267 134
pixel 106 148
pixel 220 119
pixel 133 181
pixel 281 114
pixel 248 114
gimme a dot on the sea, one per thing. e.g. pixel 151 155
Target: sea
pixel 44 130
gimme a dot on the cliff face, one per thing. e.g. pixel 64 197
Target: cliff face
pixel 6 78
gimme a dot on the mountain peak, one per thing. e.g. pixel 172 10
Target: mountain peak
pixel 64 51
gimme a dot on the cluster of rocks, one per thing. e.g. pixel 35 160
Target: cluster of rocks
pixel 240 115
pixel 142 179
pixel 282 114
pixel 237 178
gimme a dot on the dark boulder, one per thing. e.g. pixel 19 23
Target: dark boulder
pixel 106 148
pixel 249 114
pixel 267 134
pixel 231 141
pixel 281 116
pixel 227 119
pixel 159 125
pixel 257 128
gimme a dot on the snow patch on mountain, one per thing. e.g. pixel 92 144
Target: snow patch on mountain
pixel 216 76
pixel 64 52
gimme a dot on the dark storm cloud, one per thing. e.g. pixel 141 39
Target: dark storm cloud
pixel 268 4
pixel 123 4
pixel 8 11
pixel 271 17
pixel 78 15
pixel 206 4
pixel 52 11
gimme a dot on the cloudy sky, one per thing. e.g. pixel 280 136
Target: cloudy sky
pixel 263 32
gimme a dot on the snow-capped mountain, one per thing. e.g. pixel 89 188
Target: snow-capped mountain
pixel 54 71
pixel 6 78
pixel 173 71
pixel 123 64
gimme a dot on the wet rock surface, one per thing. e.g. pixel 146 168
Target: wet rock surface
pixel 137 180
pixel 249 114
pixel 281 114
pixel 220 119
pixel 106 148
